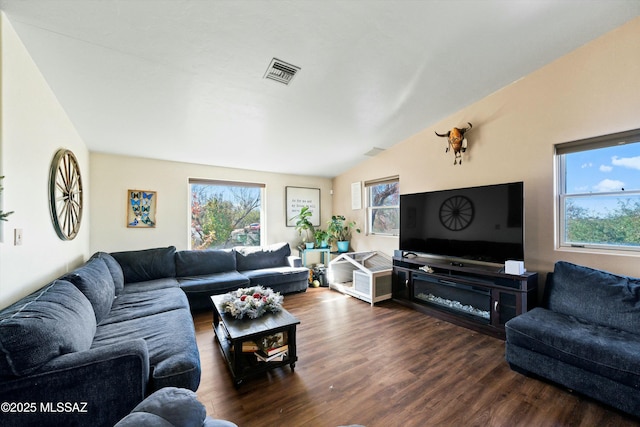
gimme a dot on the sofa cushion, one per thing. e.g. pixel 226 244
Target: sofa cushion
pixel 53 321
pixel 114 269
pixel 198 263
pixel 269 277
pixel 170 336
pixel 143 304
pixel 595 296
pixel 254 258
pixel 213 284
pixel 147 264
pixel 95 282
pixel 150 285
pixel 605 351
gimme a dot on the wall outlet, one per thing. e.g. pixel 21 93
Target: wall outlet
pixel 17 237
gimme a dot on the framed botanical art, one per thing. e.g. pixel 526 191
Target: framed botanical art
pixel 141 208
pixel 299 197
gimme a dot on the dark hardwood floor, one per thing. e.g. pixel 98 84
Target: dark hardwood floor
pixel 387 366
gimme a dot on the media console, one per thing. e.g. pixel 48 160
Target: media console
pixel 477 297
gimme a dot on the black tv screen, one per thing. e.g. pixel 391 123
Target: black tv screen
pixel 482 224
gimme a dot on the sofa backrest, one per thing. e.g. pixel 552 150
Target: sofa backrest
pixel 255 258
pixel 55 320
pixel 595 296
pixel 198 263
pixel 147 264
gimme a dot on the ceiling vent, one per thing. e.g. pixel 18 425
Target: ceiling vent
pixel 374 151
pixel 281 71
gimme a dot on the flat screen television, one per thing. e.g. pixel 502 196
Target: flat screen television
pixel 483 224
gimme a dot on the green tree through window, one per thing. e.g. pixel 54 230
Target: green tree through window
pixel 224 215
pixel 599 192
pixel 383 206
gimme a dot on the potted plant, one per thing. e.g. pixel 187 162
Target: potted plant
pixel 340 231
pixel 322 238
pixel 3 215
pixel 304 225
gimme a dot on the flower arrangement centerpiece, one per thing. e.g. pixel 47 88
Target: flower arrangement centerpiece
pixel 252 302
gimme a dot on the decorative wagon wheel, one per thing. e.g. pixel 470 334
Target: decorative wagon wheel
pixel 456 213
pixel 65 194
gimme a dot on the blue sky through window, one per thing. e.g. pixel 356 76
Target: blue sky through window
pixel 604 169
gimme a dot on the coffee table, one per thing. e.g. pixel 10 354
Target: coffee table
pixel 231 333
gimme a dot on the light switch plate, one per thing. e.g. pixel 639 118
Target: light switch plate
pixel 17 237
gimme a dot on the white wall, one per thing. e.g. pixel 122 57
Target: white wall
pixel 112 176
pixel 592 91
pixel 34 127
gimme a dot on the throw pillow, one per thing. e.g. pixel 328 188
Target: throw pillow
pixel 96 283
pixel 114 269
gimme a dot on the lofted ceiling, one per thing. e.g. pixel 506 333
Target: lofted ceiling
pixel 184 80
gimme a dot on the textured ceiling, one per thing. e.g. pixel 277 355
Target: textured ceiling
pixel 184 80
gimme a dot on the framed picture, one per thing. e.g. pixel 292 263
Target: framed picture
pixel 298 197
pixel 141 208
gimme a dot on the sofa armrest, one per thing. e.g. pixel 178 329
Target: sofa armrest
pixel 98 387
pixel 294 261
pixel 171 406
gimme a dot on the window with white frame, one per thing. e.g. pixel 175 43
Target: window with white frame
pixel 383 206
pixel 225 214
pixel 598 183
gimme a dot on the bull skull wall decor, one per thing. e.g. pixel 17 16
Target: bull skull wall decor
pixel 457 142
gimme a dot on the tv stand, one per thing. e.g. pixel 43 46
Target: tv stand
pixel 473 296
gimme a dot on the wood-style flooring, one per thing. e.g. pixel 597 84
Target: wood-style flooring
pixel 387 365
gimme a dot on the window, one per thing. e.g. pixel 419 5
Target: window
pixel 383 206
pixel 225 214
pixel 599 192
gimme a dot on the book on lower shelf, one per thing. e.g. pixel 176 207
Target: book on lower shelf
pixel 249 347
pixel 277 357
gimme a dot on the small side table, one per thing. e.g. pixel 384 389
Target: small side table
pixel 325 255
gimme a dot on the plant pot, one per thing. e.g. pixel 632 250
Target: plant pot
pixel 309 245
pixel 324 244
pixel 343 246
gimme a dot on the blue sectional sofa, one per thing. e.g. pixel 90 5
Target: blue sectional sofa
pixel 101 338
pixel 585 336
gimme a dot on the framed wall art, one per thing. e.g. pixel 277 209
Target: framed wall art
pixel 298 197
pixel 141 208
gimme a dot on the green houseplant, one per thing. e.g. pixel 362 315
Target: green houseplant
pixel 3 215
pixel 322 238
pixel 304 225
pixel 340 230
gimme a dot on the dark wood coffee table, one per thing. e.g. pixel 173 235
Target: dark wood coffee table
pixel 231 333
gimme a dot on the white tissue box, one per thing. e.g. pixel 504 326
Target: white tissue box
pixel 514 267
